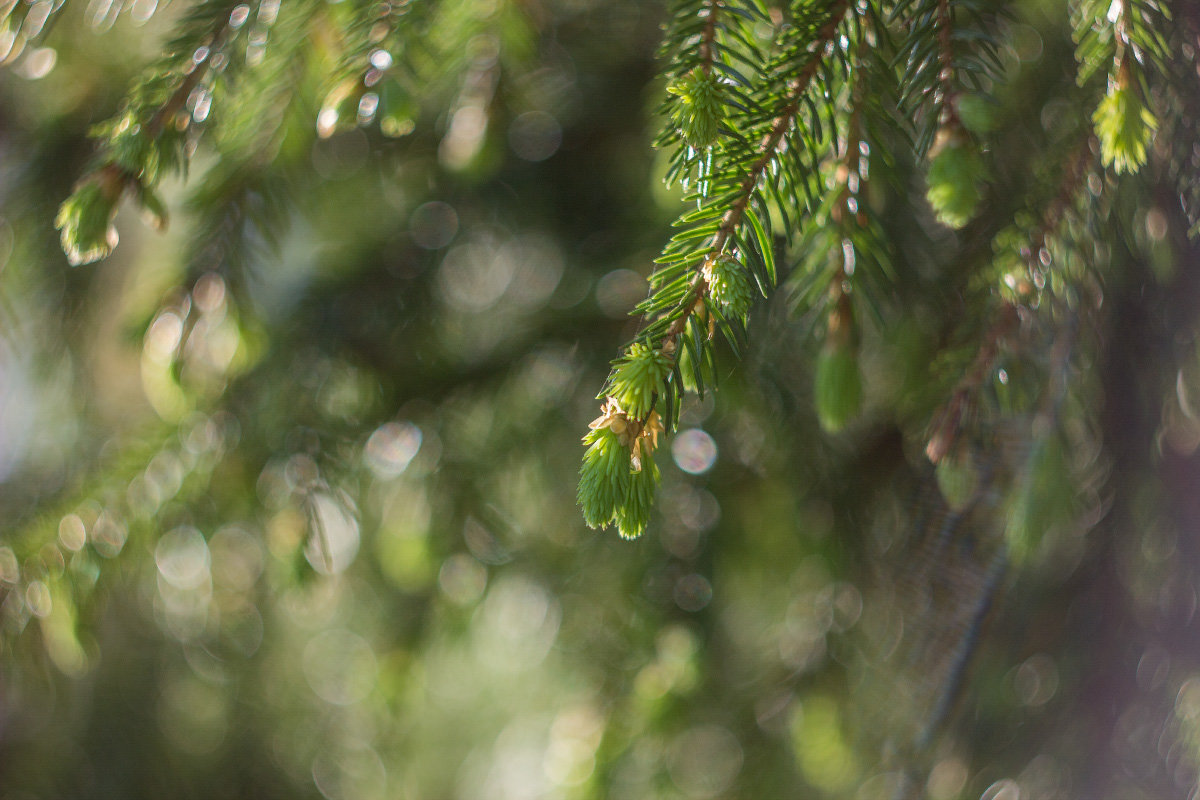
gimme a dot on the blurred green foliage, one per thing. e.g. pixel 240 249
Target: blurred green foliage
pixel 289 490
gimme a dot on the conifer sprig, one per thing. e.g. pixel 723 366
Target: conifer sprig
pixel 942 54
pixel 737 217
pixel 383 48
pixel 843 251
pixel 836 250
pixel 151 137
pixel 1130 36
pixel 710 55
pixel 949 48
pixel 1023 285
pixel 1017 380
pixel 702 282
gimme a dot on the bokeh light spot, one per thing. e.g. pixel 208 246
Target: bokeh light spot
pixel 694 451
pixel 391 447
pixel 473 277
pixel 462 579
pixel 1187 702
pixel 37 598
pixel 692 592
pixel 352 774
pixel 38 63
pixel 237 17
pixel 182 558
pixel 536 266
pixel 433 225
pixel 237 558
pixel 619 291
pixel 109 534
pixel 704 761
pixel 340 667
pixel 824 755
pixel 193 714
pixel 1036 680
pixel 947 779
pixel 163 336
pixel 381 59
pixel 571 754
pixel 1006 789
pixel 462 143
pixel 10 571
pixel 72 533
pixel 518 624
pixel 535 136
pixel 333 543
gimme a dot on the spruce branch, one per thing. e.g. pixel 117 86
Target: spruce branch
pixel 947 57
pixel 1128 36
pixel 1006 319
pixel 192 77
pixel 1073 177
pixel 381 51
pixel 710 57
pixel 768 149
pixel 145 141
pixel 837 379
pixel 700 283
pixel 956 167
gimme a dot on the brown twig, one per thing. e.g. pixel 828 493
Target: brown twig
pixel 945 30
pixel 949 419
pixel 852 157
pixel 707 36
